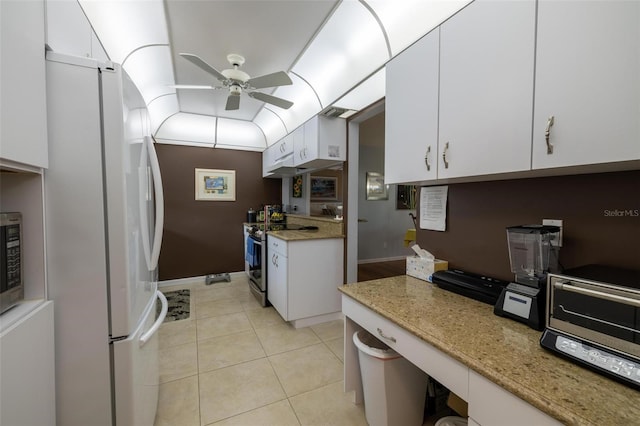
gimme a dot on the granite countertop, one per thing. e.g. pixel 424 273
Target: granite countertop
pixel 504 351
pixel 293 235
pixel 327 228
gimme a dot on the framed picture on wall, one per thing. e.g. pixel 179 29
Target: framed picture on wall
pixel 324 188
pixel 376 189
pixel 215 185
pixel 406 197
pixel 296 186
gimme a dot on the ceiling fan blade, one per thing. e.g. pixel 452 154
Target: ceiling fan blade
pixel 193 86
pixel 233 102
pixel 273 100
pixel 203 65
pixel 279 78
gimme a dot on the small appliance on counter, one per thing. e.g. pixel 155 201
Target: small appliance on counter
pixel 252 216
pixel 593 319
pixel 475 286
pixel 532 255
pixel 11 268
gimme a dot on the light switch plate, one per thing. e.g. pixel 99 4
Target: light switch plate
pixel 555 222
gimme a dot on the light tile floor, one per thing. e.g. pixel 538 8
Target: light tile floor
pixel 233 362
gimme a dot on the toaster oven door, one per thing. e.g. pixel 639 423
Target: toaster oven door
pixel 608 315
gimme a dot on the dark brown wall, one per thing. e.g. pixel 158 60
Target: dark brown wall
pixel 205 237
pixel 478 213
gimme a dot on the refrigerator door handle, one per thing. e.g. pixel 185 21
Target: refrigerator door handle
pixel 142 204
pixel 159 196
pixel 156 325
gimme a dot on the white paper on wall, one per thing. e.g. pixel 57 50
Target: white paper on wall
pixel 433 207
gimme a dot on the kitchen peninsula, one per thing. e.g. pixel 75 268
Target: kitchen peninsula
pixel 304 268
pixel 494 363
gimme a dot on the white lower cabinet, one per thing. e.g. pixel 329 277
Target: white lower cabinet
pixel 278 284
pixel 489 404
pixel 303 277
pixel 27 372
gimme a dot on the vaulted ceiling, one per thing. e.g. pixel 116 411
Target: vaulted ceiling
pixel 334 51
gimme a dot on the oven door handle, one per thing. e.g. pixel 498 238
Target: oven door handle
pixel 597 294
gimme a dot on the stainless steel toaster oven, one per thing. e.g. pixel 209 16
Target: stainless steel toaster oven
pixel 593 318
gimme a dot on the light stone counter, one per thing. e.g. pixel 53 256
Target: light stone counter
pixel 327 228
pixel 502 350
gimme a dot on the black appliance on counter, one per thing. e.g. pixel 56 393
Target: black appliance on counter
pixel 593 319
pixel 532 254
pixel 475 286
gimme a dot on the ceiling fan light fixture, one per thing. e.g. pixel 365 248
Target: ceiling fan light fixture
pixel 235 90
pixel 236 74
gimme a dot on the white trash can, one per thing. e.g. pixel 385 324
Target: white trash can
pixel 452 421
pixel 394 389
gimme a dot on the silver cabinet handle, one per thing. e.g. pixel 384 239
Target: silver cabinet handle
pixel 427 157
pixel 392 339
pixel 547 134
pixel 444 155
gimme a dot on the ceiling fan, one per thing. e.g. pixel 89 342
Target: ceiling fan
pixel 238 81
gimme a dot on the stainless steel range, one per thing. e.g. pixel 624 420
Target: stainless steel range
pixel 256 268
pixel 593 318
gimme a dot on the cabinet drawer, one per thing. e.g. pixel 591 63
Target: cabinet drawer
pixel 276 245
pixel 489 404
pixel 446 370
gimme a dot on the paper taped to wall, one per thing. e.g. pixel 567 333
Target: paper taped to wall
pixel 433 207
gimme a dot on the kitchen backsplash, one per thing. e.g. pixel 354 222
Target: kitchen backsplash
pixel 601 214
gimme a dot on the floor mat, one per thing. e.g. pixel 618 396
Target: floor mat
pixel 179 305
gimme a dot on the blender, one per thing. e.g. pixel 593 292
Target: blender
pixel 532 255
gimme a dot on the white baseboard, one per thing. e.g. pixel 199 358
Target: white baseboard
pixel 385 259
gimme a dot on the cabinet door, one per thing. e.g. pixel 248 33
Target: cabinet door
pixel 311 138
pixel 489 404
pixel 486 89
pixel 411 120
pixel 23 109
pixel 27 388
pixel 300 151
pixel 277 282
pixel 332 138
pixel 315 273
pixel 588 79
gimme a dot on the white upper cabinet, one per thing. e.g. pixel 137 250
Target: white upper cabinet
pixel 486 89
pixel 324 144
pixel 23 109
pixel 69 31
pixel 411 116
pixel 277 159
pixel 588 80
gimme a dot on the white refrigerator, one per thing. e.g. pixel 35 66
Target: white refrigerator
pixel 104 218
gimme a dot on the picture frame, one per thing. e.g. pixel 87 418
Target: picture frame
pixel 376 188
pixel 406 196
pixel 296 186
pixel 215 185
pixel 324 188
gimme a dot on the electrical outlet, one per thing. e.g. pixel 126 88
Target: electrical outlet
pixel 555 222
